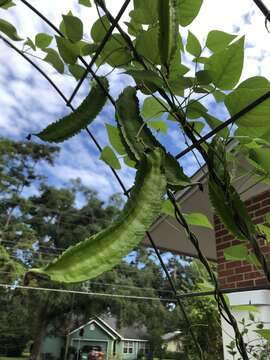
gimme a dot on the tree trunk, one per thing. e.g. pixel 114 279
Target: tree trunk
pixel 39 333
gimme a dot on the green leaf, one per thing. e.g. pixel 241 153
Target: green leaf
pixel 133 28
pixel 236 252
pixel 203 77
pixel 262 157
pixel 74 27
pixel 30 43
pixel 104 250
pixel 146 76
pixel 115 52
pixel 8 29
pixel 159 125
pixel 53 58
pixel 198 219
pixel 218 40
pixel 255 122
pixel 88 49
pixel 43 40
pixel 193 45
pixel 6 4
pixel 68 51
pixel 100 28
pixel 265 230
pixel 188 10
pixel 168 30
pixel 264 333
pixel 145 12
pixel 226 65
pixel 85 3
pixel 109 157
pixel 137 137
pixel 71 124
pixel 153 108
pixel 129 162
pixel 219 96
pixel 213 122
pixel 77 71
pixel 147 45
pixel 115 139
pixel 195 110
pixel 250 308
pixel 197 126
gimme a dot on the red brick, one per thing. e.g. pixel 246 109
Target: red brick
pixel 261 281
pixel 229 286
pixel 245 283
pixel 253 275
pixel 266 202
pixel 237 277
pixel 221 266
pixel 260 197
pixel 258 220
pixel 254 207
pixel 232 264
pixel 226 273
pixel 223 245
pixel 221 233
pixel 262 211
pixel 243 269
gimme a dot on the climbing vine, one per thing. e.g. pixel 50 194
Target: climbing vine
pixel 150 51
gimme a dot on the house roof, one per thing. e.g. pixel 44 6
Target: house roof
pixel 109 325
pixel 135 331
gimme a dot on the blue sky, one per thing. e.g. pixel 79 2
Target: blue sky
pixel 28 103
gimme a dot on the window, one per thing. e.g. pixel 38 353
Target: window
pixel 144 347
pixel 128 347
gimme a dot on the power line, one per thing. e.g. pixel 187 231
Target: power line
pixel 127 297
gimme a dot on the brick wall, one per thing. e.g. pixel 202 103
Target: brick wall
pixel 236 274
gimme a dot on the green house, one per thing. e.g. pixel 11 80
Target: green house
pixel 128 343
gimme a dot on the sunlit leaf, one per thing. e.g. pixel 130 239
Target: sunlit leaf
pixel 188 10
pixel 85 3
pixel 226 65
pixel 218 40
pixel 159 125
pixel 8 29
pixel 193 45
pixel 68 51
pixel 74 27
pixel 153 108
pixel 115 139
pixel 236 252
pixel 43 40
pixel 109 157
pixel 100 28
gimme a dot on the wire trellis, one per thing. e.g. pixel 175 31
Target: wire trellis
pixel 232 120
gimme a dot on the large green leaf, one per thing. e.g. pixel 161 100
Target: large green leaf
pixel 236 252
pixel 101 252
pixel 193 45
pixel 218 40
pixel 137 137
pixel 195 219
pixel 255 122
pixel 100 28
pixel 109 157
pixel 68 51
pixel 226 65
pixel 43 40
pixel 115 52
pixel 168 30
pixel 261 157
pixel 145 12
pixel 71 124
pixel 115 139
pixel 188 10
pixel 146 77
pixel 147 45
pixel 53 58
pixel 153 108
pixel 264 333
pixel 77 71
pixel 74 27
pixel 8 29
